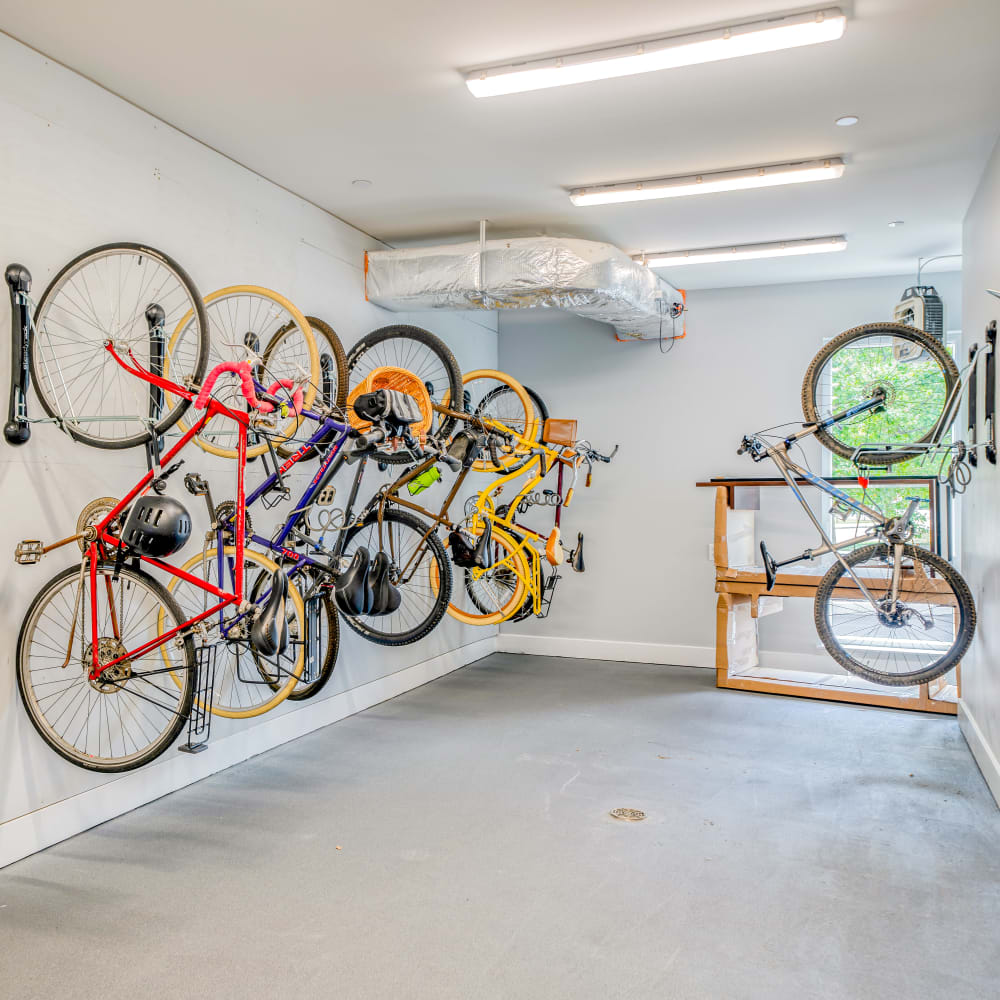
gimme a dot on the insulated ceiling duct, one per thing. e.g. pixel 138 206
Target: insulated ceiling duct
pixel 595 280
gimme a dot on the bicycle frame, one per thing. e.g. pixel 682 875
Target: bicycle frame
pixel 104 543
pixel 328 467
pixel 894 530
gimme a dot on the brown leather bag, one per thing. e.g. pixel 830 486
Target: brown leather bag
pixel 559 431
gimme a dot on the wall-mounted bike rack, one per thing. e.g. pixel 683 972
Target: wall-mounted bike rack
pixel 199 729
pixel 17 429
pixel 989 399
pixel 990 395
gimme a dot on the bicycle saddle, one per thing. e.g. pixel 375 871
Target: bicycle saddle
pixel 388 404
pixel 353 588
pixel 386 597
pixel 469 552
pixel 770 566
pixel 269 632
pixel 576 556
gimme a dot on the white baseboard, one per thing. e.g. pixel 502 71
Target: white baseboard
pixel 46 826
pixel 653 652
pixel 607 649
pixel 981 751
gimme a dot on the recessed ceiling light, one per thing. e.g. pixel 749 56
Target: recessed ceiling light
pixel 362 182
pixel 720 180
pixel 746 39
pixel 751 251
pixel 847 121
pixel 896 222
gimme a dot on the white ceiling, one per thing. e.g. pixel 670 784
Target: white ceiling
pixel 314 94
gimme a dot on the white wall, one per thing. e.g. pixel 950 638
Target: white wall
pixel 679 419
pixel 979 710
pixel 79 167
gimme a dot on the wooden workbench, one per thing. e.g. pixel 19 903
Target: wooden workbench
pixel 743 599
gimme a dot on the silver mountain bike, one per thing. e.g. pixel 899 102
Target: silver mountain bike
pixel 887 610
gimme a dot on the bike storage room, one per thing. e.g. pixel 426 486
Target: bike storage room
pixel 500 502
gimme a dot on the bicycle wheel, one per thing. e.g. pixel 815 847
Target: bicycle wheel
pixel 103 295
pixel 499 397
pixel 922 637
pixel 240 692
pixel 527 608
pixel 134 711
pixel 914 371
pixel 326 640
pixel 244 319
pixel 417 351
pixel 420 569
pixel 332 363
pixel 497 593
pixel 332 388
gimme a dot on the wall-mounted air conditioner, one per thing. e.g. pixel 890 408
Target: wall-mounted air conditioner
pixel 920 306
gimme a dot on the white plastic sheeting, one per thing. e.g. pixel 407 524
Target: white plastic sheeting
pixel 595 280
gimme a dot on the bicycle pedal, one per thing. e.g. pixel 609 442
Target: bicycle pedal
pixel 28 552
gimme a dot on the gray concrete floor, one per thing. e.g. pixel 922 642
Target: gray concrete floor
pixel 455 843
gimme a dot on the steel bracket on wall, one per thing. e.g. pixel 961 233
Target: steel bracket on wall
pixel 973 415
pixel 990 394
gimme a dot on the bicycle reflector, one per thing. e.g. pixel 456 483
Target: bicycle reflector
pixel 157 526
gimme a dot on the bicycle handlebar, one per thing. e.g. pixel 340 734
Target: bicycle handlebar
pixel 266 402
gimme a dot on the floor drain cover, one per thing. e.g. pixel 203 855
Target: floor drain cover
pixel 629 815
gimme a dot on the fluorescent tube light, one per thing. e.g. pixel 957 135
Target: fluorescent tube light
pixel 767 35
pixel 751 251
pixel 722 180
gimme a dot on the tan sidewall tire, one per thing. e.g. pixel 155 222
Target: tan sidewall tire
pixel 296 598
pixel 309 391
pixel 517 599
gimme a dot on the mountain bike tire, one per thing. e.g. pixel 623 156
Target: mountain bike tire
pixel 400 346
pixel 812 388
pixel 436 576
pixel 823 612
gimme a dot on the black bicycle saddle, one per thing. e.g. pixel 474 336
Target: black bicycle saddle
pixel 467 552
pixel 576 556
pixel 269 632
pixel 386 597
pixel 770 566
pixel 353 588
pixel 388 404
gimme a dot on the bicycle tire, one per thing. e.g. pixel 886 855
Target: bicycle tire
pixel 38 374
pixel 451 383
pixel 26 690
pixel 510 607
pixel 309 689
pixel 233 678
pixel 527 608
pixel 811 409
pixel 439 580
pixel 297 323
pixel 527 418
pixel 322 332
pixel 541 413
pixel 963 633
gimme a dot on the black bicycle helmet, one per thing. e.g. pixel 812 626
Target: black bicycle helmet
pixel 157 526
